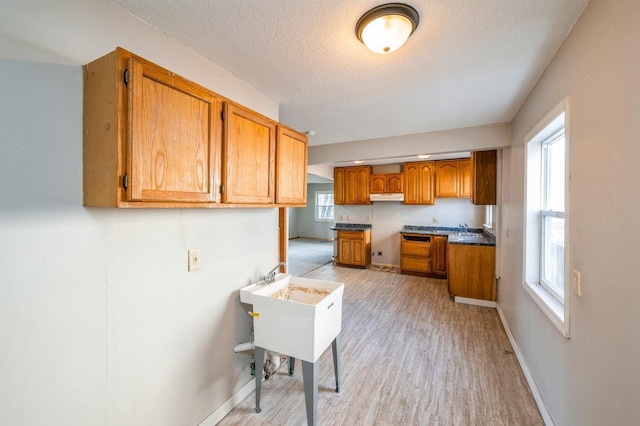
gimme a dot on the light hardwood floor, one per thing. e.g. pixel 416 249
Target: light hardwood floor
pixel 410 356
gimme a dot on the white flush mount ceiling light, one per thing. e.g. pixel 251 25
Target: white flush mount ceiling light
pixel 385 28
pixel 424 156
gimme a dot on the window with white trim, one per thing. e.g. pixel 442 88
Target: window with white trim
pixel 546 219
pixel 324 206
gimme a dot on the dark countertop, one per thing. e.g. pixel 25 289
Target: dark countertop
pixel 351 227
pixel 482 239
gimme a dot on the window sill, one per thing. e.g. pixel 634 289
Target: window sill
pixel 552 308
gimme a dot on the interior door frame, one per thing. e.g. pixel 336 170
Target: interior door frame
pixel 283 237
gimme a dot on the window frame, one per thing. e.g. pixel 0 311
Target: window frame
pixel 316 205
pixel 555 307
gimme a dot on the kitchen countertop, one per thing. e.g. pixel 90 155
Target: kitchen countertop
pixel 483 239
pixel 351 227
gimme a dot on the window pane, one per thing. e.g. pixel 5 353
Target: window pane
pixel 555 176
pixel 324 206
pixel 553 254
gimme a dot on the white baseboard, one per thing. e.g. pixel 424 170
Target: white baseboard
pixel 477 302
pixel 548 421
pixel 215 417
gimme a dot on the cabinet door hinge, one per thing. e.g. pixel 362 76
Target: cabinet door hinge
pixel 125 76
pixel 222 115
pixel 125 181
pixel 222 188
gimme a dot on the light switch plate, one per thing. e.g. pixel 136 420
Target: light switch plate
pixel 195 262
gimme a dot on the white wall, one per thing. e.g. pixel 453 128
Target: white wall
pixel 388 218
pixel 594 377
pixel 446 141
pixel 100 322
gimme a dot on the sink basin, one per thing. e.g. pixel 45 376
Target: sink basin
pixel 467 237
pixel 294 316
pixel 469 234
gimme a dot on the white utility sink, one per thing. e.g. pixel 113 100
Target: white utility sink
pixel 294 316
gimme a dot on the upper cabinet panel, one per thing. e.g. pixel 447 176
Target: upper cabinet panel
pixel 291 169
pixel 249 147
pixel 154 139
pixel 151 138
pixel 174 128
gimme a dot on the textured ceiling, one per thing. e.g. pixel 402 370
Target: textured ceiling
pixel 469 63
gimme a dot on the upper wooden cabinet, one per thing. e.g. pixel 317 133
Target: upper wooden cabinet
pixel 483 187
pixel 418 183
pixel 249 148
pixel 291 167
pixel 151 138
pixel 338 185
pixel 453 178
pixel 155 139
pixel 351 185
pixel 388 183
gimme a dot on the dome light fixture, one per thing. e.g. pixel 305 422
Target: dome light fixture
pixel 385 28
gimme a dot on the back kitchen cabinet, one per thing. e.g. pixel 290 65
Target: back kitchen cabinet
pixel 351 185
pixel 354 248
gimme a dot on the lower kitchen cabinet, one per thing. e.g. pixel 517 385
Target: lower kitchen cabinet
pixel 354 248
pixel 439 244
pixel 471 271
pixel 415 254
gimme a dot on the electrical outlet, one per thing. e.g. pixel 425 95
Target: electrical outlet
pixel 577 285
pixel 436 219
pixel 195 262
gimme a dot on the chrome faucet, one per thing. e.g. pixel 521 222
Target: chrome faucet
pixel 464 226
pixel 271 275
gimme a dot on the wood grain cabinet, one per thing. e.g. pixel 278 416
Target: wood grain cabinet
pixel 388 183
pixel 351 185
pixel 354 248
pixel 151 138
pixel 439 243
pixel 471 271
pixel 154 139
pixel 453 178
pixel 418 183
pixel 484 171
pixel 249 151
pixel 291 167
pixel 415 254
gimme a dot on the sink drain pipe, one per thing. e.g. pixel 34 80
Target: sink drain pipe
pixel 274 361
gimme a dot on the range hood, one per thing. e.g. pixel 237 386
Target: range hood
pixel 387 197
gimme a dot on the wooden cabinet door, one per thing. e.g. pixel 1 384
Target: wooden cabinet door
pixel 249 146
pixel 363 173
pixel 418 183
pixel 472 271
pixel 378 184
pixel 291 169
pixel 338 185
pixel 440 255
pixel 447 174
pixel 465 179
pixel 173 140
pixel 484 176
pixel 411 183
pixel 394 183
pixel 345 251
pixel 351 185
pixel 426 183
pixel 357 252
